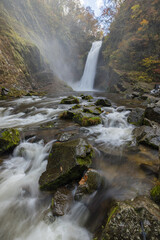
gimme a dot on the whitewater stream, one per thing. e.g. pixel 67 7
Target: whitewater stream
pixel 23 205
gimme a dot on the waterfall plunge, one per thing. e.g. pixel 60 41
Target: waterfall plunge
pixel 87 80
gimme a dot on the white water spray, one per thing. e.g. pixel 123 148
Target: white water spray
pixel 87 80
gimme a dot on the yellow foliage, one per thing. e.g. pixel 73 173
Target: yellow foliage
pixel 135 8
pixel 144 22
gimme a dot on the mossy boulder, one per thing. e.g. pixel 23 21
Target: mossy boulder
pixel 87 97
pixel 9 139
pixel 70 100
pixel 77 106
pixel 103 102
pixel 92 109
pixel 127 219
pixel 67 162
pixel 83 119
pixel 86 120
pixel 136 116
pixel 155 194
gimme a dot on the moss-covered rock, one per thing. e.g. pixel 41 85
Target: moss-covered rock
pixel 103 102
pixel 67 162
pixel 9 138
pixel 70 100
pixel 77 106
pixel 92 109
pixel 125 220
pixel 87 97
pixel 83 119
pixel 155 194
pixel 136 116
pixel 86 120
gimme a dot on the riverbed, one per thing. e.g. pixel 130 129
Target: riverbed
pixel 23 205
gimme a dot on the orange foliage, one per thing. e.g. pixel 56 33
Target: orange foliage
pixel 83 180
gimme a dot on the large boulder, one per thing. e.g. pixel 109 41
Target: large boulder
pixel 152 112
pixel 86 97
pixel 148 136
pixel 82 118
pixel 70 100
pixel 92 109
pixel 86 119
pixel 103 102
pixel 136 116
pixel 132 220
pixel 67 162
pixel 9 139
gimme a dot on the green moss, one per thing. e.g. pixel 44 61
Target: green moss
pixel 84 161
pixel 70 100
pixel 52 203
pixel 87 110
pixel 76 106
pixel 90 121
pixel 9 139
pixel 112 212
pixel 87 160
pixel 155 194
pixel 87 97
pixel 86 121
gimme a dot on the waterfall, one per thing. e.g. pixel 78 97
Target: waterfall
pixel 87 80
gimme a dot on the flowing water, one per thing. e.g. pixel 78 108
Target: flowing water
pixel 87 81
pixel 23 206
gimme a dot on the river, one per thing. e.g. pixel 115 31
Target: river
pixel 23 205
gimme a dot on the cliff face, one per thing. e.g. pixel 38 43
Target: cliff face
pixel 131 52
pixel 40 43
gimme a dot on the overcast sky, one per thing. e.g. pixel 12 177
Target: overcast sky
pixel 94 4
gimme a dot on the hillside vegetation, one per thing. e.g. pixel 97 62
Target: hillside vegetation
pixel 131 51
pixel 43 41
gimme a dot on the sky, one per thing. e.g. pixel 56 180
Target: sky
pixel 94 4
